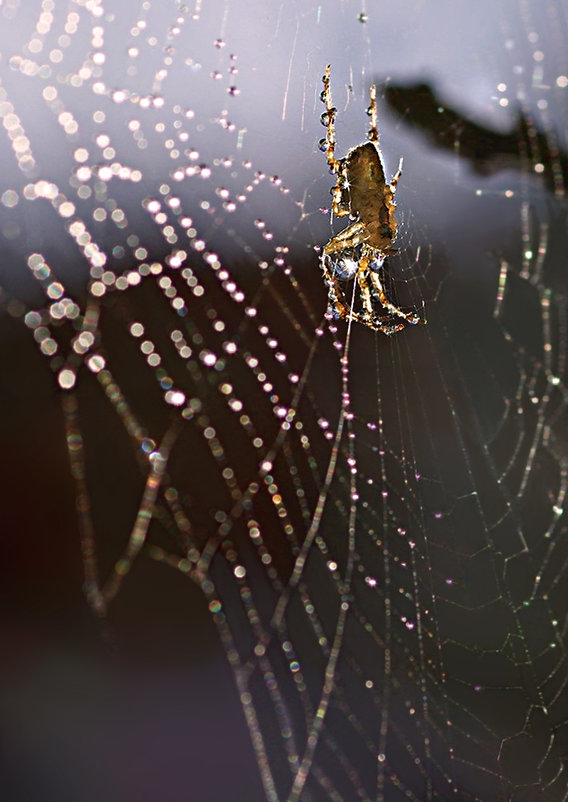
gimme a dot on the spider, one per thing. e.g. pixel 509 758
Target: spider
pixel 360 250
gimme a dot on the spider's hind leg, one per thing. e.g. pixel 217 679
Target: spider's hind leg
pixel 337 304
pixel 388 324
pixel 366 299
pixel 377 289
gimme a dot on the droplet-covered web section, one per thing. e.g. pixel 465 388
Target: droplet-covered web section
pixel 376 525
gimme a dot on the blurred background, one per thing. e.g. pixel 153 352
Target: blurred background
pixel 251 551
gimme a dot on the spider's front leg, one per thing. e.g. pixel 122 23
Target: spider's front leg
pixel 396 177
pixel 373 134
pixel 340 206
pixel 328 119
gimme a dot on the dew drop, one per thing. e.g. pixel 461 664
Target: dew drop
pixel 66 379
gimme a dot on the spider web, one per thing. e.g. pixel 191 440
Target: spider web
pixel 375 524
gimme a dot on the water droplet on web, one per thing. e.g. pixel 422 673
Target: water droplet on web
pixel 148 445
pixel 175 398
pixel 96 363
pixel 66 379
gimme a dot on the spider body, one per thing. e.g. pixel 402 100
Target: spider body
pixel 365 180
pixel 359 251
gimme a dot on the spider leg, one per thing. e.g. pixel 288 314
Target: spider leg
pixel 366 300
pixel 369 285
pixel 328 119
pixel 338 206
pixel 336 300
pixel 410 317
pixel 373 134
pixel 396 177
pixel 350 237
